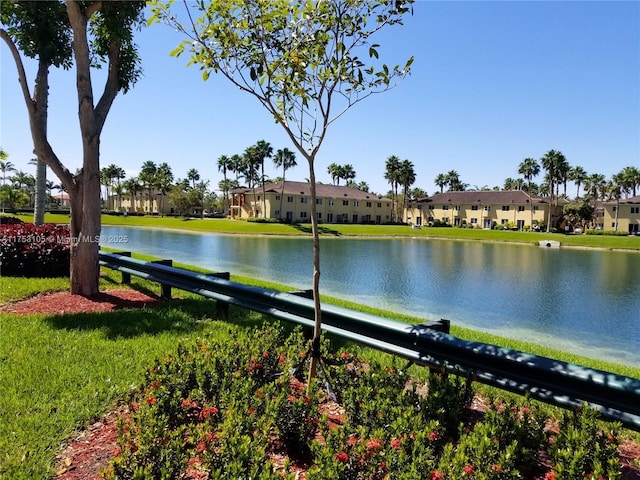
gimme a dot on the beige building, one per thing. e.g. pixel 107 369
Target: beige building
pixel 291 202
pixel 482 209
pixel 623 216
pixel 140 203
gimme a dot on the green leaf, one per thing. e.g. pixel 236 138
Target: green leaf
pixel 373 52
pixel 176 52
pixel 205 75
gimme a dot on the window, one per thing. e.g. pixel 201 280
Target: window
pixel 319 215
pixel 505 208
pixel 504 221
pixel 521 208
pixel 457 208
pixel 430 207
pixel 330 217
pixel 303 214
pixel 277 197
pixel 487 208
pixel 379 204
pixel 614 225
pixel 345 203
pixel 330 201
pixel 474 208
pixel 635 210
pixel 445 207
pixel 474 221
pixel 616 208
pixel 304 200
pixel 318 201
pixel 535 209
pixel 289 199
pixel 368 204
pixel 277 213
pixel 356 203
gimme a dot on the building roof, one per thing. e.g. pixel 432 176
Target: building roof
pixel 635 199
pixel 322 191
pixel 483 197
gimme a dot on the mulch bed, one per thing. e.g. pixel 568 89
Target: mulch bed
pixel 89 452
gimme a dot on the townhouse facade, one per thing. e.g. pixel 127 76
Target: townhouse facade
pixel 483 209
pixel 623 216
pixel 290 201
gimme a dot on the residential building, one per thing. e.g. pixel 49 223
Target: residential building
pixel 483 209
pixel 140 202
pixel 623 216
pixel 291 202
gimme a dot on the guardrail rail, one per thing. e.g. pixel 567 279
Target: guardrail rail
pixel 563 384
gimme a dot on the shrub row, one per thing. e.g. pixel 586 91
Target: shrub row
pixel 27 250
pixel 228 409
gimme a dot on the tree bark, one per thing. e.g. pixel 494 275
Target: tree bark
pixel 317 330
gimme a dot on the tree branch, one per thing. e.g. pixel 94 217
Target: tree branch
pixel 111 87
pixel 22 76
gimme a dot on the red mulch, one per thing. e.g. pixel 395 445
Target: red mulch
pixel 90 451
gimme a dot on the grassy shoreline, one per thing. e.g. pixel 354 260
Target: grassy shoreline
pixel 240 227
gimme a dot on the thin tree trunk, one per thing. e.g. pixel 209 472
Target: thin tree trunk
pixel 41 193
pixel 317 330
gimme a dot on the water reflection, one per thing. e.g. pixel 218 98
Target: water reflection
pixel 582 301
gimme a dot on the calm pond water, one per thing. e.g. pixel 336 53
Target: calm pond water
pixel 582 301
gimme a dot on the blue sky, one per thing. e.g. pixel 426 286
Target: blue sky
pixel 492 83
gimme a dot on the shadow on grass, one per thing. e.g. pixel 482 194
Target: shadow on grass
pixel 178 316
pixel 321 230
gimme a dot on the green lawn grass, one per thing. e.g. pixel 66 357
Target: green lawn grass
pixel 219 225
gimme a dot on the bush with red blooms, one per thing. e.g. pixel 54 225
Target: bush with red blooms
pixel 28 250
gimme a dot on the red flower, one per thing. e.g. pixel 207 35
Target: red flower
pixel 383 465
pixel 201 447
pixel 116 452
pixel 436 475
pixel 395 443
pixel 496 468
pixel 209 437
pixel 281 359
pixel 352 439
pixel 345 355
pixel 265 354
pixel 373 444
pixel 135 406
pixel 207 412
pixel 291 398
pixel 342 457
pixel 468 470
pixel 251 410
pixel 154 384
pixel 550 476
pixel 433 436
pixel 150 400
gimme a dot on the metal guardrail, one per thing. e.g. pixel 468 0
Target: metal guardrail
pixel 563 384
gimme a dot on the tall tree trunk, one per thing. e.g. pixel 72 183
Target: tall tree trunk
pixel 41 193
pixel 317 329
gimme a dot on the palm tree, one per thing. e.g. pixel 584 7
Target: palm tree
pixel 286 159
pixel 453 180
pixel 133 186
pixel 577 175
pixel 529 168
pixel 193 176
pixel 441 181
pixel 391 174
pixel 509 184
pixel 334 171
pixel 263 150
pixel 347 172
pixel 237 166
pixel 552 162
pixel 595 184
pixel 614 191
pixel 406 177
pixel 164 182
pixel 148 179
pixel 631 179
pixel 251 161
pixel 5 165
pixel 224 164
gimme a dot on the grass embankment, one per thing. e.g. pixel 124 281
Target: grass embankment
pixel 60 372
pixel 348 230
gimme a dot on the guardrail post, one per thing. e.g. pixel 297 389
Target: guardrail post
pixel 126 277
pixel 221 307
pixel 165 290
